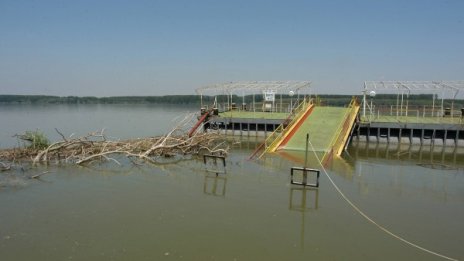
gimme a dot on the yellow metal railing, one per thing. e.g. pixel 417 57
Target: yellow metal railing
pixel 274 139
pixel 338 141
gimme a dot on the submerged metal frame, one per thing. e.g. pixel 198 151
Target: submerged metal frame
pixel 305 172
pixel 215 158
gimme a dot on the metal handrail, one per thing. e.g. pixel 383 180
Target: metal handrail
pixel 280 131
pixel 350 114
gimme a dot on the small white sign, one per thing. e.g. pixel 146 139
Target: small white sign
pixel 269 95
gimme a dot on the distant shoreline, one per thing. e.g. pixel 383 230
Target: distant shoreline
pixel 48 99
pixel 327 99
pixel 167 99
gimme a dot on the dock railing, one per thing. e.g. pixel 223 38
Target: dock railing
pixel 275 137
pixel 413 114
pixel 338 141
pixel 279 107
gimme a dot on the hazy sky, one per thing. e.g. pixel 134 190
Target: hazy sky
pixel 111 48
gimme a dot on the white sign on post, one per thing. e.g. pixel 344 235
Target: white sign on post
pixel 269 95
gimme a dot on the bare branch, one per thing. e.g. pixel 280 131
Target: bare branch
pixel 96 147
pixel 61 134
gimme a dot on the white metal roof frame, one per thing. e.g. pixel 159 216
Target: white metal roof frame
pixel 416 86
pixel 406 87
pixel 254 86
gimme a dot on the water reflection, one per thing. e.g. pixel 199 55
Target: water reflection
pixel 434 173
pixel 338 165
pixel 434 156
pixel 303 199
pixel 299 200
pixel 215 185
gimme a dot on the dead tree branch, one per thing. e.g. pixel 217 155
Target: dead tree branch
pixel 97 147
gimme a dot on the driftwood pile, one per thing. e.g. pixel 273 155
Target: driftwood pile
pixel 97 147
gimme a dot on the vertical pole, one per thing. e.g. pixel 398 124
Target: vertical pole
pixel 243 99
pixel 254 103
pixel 364 100
pixel 407 104
pixel 305 174
pixel 442 96
pixel 364 104
pixel 371 114
pixel 306 151
pixel 201 100
pixel 401 104
pixel 433 104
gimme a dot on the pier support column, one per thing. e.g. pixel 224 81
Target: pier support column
pixel 445 138
pixel 400 135
pixel 456 139
pixel 422 137
pixel 388 135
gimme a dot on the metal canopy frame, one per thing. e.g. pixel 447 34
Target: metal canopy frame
pixel 406 87
pixel 420 86
pixel 254 86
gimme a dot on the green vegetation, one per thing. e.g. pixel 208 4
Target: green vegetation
pixel 35 139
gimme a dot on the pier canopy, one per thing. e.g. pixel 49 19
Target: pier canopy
pixel 273 96
pixel 452 87
pixel 438 90
pixel 254 87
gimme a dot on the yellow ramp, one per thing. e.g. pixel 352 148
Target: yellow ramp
pixel 329 129
pixel 322 125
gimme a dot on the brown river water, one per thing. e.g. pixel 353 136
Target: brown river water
pixel 179 211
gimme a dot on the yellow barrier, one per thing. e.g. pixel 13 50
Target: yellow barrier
pixel 339 140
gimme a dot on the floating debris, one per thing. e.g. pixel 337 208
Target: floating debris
pixel 97 147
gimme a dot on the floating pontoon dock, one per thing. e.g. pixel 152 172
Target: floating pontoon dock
pixel 402 123
pixel 284 124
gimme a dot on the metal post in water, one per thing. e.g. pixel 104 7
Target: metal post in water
pixel 306 151
pixel 305 174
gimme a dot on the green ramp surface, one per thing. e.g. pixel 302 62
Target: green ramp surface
pixel 322 125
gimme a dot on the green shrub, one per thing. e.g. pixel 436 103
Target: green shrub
pixel 36 139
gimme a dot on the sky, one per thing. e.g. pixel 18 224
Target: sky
pixel 116 48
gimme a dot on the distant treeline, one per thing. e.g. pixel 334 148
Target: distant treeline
pixel 332 100
pixel 44 99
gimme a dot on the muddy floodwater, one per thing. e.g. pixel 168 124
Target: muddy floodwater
pixel 179 211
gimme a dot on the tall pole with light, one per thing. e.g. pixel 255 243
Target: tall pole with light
pixel 291 93
pixel 372 95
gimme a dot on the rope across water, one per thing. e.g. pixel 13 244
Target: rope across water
pixel 370 219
